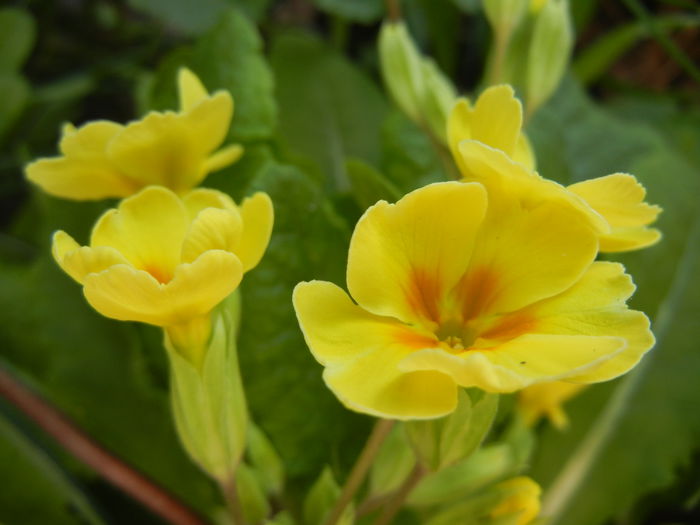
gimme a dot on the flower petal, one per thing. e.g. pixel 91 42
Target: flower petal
pixel 79 261
pixel 212 229
pixel 497 118
pixel 258 217
pixel 535 242
pixel 147 229
pixel 191 91
pixel 201 198
pixel 619 198
pixel 520 362
pixel 523 153
pixel 405 258
pixel 224 157
pixel 459 125
pixel 90 140
pixel 127 294
pixel 361 352
pixel 159 149
pixel 208 121
pixel 595 306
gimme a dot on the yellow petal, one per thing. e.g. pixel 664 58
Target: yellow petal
pixel 208 121
pixel 258 216
pixel 89 140
pixel 546 400
pixel 619 198
pixel 190 89
pixel 147 229
pixel 406 257
pixel 159 149
pixel 127 294
pixel 79 261
pixel 361 352
pixel 497 118
pixel 201 198
pixel 595 306
pixel 459 125
pixel 212 229
pixel 79 179
pixel 224 157
pixel 535 242
pixel 523 152
pixel 520 362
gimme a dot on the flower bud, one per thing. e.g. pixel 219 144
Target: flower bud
pixel 550 49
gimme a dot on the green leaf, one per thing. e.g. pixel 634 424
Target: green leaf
pixel 264 459
pixel 17 34
pixel 321 498
pixel 283 383
pixel 393 463
pixel 365 11
pixel 15 95
pixel 230 57
pixel 188 16
pixel 251 494
pixel 640 435
pixel 329 110
pixel 368 185
pixel 36 490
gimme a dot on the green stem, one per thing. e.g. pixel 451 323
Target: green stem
pixel 397 500
pixel 357 475
pixel 233 502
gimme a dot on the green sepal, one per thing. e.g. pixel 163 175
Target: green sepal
pixel 264 460
pixel 208 400
pixel 321 498
pixel 442 442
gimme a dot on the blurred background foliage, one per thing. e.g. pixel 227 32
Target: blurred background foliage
pixel 324 141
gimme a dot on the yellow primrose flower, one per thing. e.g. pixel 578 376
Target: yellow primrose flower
pixel 496 121
pixel 167 261
pixel 459 287
pixel 104 159
pixel 522 499
pixel 546 400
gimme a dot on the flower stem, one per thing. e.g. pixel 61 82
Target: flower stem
pixel 359 470
pixel 233 502
pixel 397 500
pixel 121 475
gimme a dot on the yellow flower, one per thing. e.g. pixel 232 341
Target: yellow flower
pixel 496 121
pixel 168 261
pixel 521 500
pixel 177 150
pixel 546 400
pixel 457 288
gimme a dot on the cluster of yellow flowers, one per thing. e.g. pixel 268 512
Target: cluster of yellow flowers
pixel 489 282
pixel 168 254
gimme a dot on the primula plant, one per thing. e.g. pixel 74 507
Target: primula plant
pixel 420 277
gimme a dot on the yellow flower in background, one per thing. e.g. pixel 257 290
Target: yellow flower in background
pixel 546 400
pixel 456 286
pixel 168 261
pixel 521 500
pixel 496 121
pixel 173 149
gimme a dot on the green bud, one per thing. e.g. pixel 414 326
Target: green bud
pixel 415 82
pixel 505 15
pixel 550 49
pixel 442 442
pixel 321 498
pixel 264 459
pixel 208 401
pixel 393 463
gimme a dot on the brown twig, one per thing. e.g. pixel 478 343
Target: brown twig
pixel 393 10
pixel 121 475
